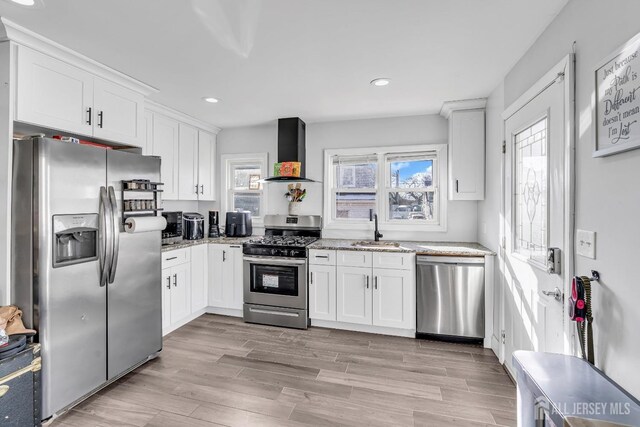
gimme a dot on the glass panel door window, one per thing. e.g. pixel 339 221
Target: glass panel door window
pixel 531 192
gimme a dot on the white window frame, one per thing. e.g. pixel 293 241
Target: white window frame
pixel 382 189
pixel 229 161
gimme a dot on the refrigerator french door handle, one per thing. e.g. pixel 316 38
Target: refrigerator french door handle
pixel 105 236
pixel 115 227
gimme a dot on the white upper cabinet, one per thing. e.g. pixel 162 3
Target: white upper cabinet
pixel 188 163
pixel 53 94
pixel 165 145
pixel 466 148
pixel 206 165
pixel 57 95
pixel 118 112
pixel 188 153
pixel 147 147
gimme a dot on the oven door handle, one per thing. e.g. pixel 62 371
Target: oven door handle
pixel 275 260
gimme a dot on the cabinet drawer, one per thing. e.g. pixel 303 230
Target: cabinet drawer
pixel 397 261
pixel 322 257
pixel 175 257
pixel 355 258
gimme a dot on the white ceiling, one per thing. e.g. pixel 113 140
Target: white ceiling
pixel 309 58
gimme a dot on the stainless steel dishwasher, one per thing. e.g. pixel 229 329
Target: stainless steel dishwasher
pixel 450 296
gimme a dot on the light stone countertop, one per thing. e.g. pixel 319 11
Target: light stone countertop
pixel 219 240
pixel 469 249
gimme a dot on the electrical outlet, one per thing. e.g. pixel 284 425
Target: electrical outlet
pixel 586 243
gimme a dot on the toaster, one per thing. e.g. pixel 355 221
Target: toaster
pixel 238 224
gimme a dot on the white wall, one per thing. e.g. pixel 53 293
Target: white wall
pixel 607 197
pixel 425 129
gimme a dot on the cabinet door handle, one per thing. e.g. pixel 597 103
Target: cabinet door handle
pixel 235 246
pixel 201 189
pixel 375 282
pixel 175 280
pixel 367 282
pixel 169 259
pixel 311 278
pixel 322 256
pixel 168 282
pixel 457 186
pixel 196 189
pixel 224 256
pixel 89 115
pixel 100 118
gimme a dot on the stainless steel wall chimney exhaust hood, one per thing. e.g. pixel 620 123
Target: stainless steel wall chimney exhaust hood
pixel 291 148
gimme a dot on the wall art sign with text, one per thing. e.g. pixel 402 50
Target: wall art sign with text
pixel 617 101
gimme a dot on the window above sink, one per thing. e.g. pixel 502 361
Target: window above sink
pixel 402 184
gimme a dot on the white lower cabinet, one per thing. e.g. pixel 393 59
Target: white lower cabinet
pixel 225 276
pixel 354 294
pixel 364 288
pixel 199 276
pixel 393 296
pixel 166 299
pixel 322 292
pixel 184 285
pixel 176 294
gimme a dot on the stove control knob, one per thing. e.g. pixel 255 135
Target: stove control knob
pixel 273 251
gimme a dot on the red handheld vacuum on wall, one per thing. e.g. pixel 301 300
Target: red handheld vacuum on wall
pixel 580 312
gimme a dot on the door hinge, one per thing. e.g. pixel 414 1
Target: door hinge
pixel 503 336
pixel 504 147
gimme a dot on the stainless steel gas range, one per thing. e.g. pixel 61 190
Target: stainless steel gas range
pixel 275 271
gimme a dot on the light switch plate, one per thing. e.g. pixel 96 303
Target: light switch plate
pixel 586 243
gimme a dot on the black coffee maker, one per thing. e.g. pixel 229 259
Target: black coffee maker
pixel 214 224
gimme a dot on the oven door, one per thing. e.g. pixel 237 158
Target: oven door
pixel 278 282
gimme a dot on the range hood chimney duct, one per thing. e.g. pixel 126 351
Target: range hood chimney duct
pixel 291 142
pixel 291 147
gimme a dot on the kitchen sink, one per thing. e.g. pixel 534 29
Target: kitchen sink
pixel 374 244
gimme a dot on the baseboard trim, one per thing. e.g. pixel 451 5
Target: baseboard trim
pixel 184 321
pixel 224 311
pixel 410 333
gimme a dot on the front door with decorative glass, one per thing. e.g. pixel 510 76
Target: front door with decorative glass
pixel 534 203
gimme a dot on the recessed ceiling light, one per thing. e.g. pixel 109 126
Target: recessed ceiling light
pixel 25 2
pixel 383 81
pixel 211 99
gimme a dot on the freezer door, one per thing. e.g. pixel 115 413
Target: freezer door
pixel 69 303
pixel 134 297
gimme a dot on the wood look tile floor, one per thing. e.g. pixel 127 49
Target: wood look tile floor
pixel 220 371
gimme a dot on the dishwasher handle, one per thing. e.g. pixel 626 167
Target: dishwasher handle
pixel 459 260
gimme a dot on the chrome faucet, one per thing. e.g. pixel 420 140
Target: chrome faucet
pixel 374 217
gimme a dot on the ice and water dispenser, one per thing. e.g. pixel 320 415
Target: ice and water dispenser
pixel 75 239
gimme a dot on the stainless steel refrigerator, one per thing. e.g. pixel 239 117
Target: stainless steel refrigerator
pixel 91 290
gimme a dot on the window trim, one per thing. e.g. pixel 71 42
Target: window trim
pixel 228 162
pixel 382 188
